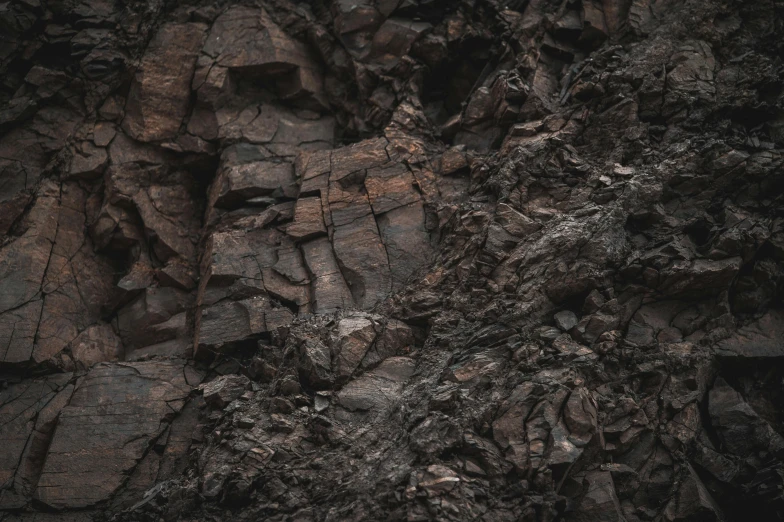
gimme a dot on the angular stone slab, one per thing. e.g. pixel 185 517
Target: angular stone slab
pixel 116 412
pixel 160 94
pixel 762 338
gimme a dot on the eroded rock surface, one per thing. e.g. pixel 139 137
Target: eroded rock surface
pixel 391 260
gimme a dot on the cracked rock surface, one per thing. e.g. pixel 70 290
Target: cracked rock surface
pixel 403 260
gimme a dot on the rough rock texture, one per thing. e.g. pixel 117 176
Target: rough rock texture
pixel 391 260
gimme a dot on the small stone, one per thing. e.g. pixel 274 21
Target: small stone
pixel 290 386
pixel 321 402
pixel 453 160
pixel 565 320
pixel 548 333
pixel 281 405
pixel 281 423
pixel 622 171
pixel 246 422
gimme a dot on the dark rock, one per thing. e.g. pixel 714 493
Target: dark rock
pixel 114 413
pixel 226 388
pixel 565 320
pixel 439 261
pixel 160 94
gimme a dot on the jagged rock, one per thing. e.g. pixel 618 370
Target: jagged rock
pixel 476 261
pixel 154 316
pixel 758 339
pixel 233 321
pixel 738 426
pixel 248 41
pixel 599 502
pixel 88 161
pixel 317 363
pixel 693 502
pixel 226 388
pixel 237 184
pixel 354 338
pixel 396 36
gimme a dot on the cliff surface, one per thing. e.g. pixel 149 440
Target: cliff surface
pixel 391 260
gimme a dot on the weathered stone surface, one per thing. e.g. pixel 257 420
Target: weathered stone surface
pixel 160 94
pixel 88 161
pixel 233 321
pixel 407 243
pixel 221 391
pixel 240 183
pixel 330 291
pixel 739 427
pixel 363 260
pixel 694 501
pixel 308 219
pixel 156 315
pixel 29 412
pixel 456 261
pixel 247 40
pixel 355 336
pixel 600 501
pixel 115 413
pixel 378 389
pixel 96 344
pixel 761 338
pixel 25 260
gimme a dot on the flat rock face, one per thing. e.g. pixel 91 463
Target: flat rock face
pixel 391 260
pixel 111 420
pixel 761 338
pixel 160 94
pixel 29 415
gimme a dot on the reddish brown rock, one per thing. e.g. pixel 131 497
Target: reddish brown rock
pixel 103 432
pixel 308 219
pixel 247 40
pixel 96 344
pixel 233 321
pixel 564 216
pixel 390 187
pixel 330 291
pixel 160 94
pixel 29 412
pixel 240 183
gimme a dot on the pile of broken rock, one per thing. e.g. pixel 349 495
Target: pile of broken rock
pixel 391 260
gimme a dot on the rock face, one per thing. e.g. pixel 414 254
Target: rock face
pixel 391 260
pixel 114 415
